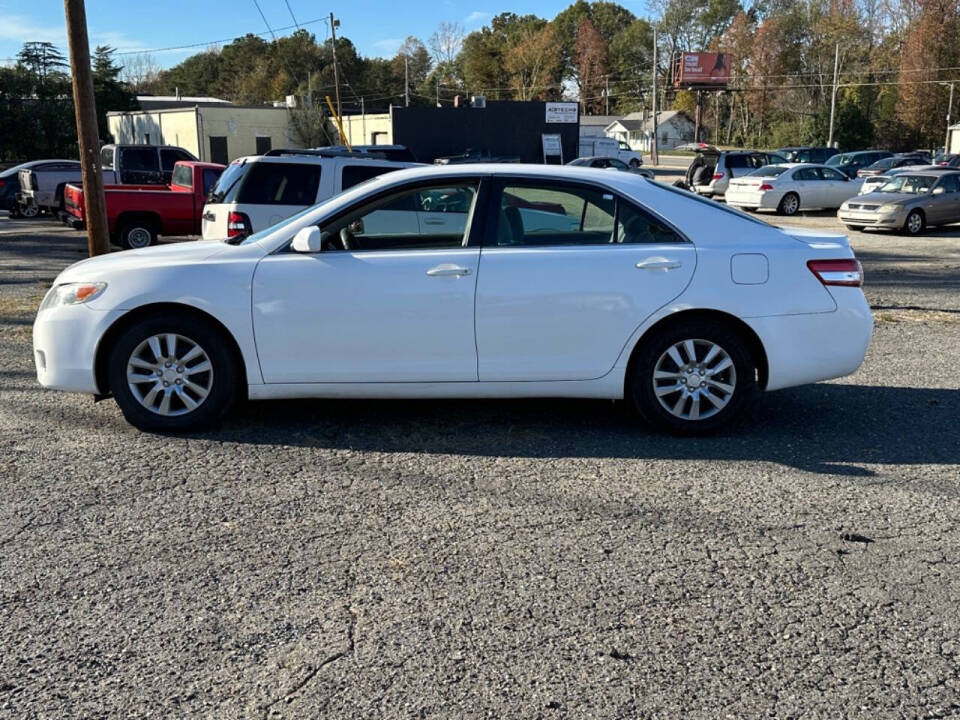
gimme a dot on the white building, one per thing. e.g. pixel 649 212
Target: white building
pixel 214 130
pixel 596 125
pixel 674 127
pixel 953 145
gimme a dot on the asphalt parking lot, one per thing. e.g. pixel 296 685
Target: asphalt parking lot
pixel 527 559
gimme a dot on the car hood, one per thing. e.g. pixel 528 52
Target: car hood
pixel 96 268
pixel 887 198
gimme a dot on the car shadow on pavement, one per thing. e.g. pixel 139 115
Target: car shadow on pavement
pixel 824 428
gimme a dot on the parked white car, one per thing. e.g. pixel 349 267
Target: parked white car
pixel 258 191
pixel 789 188
pixel 649 293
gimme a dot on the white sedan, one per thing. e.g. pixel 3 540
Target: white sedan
pixel 636 291
pixel 789 188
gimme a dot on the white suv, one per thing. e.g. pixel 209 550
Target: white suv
pixel 256 192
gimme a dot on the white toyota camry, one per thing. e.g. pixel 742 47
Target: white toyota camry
pixel 791 188
pixel 545 282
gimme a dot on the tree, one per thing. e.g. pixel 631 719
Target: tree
pixel 109 92
pixel 591 58
pixel 630 57
pixel 140 73
pixel 412 62
pixel 535 64
pixel 311 127
pixel 446 42
pixel 42 59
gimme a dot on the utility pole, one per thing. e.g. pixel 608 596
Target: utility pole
pixel 653 136
pixel 946 144
pixel 334 23
pixel 833 95
pixel 406 81
pixel 363 120
pixel 606 95
pixel 438 90
pixel 88 137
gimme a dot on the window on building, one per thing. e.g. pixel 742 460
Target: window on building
pixel 218 149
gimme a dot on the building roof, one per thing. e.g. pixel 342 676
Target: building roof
pixel 634 121
pixel 156 102
pixel 601 120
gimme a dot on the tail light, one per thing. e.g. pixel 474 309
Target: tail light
pixel 765 186
pixel 238 225
pixel 718 176
pixel 846 272
pixel 2 183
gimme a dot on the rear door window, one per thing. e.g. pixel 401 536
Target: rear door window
pixel 272 183
pixel 538 215
pixel 736 161
pixel 170 156
pixel 356 174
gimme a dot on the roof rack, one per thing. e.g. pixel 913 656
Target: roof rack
pixel 323 152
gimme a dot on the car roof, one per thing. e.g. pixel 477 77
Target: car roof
pixel 319 159
pixel 928 173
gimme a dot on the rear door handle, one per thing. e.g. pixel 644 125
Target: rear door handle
pixel 433 222
pixel 658 263
pixel 448 271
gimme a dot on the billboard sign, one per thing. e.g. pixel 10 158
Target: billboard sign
pixel 702 70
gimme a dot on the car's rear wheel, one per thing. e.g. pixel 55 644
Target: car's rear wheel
pixel 136 235
pixel 173 374
pixel 915 223
pixel 29 211
pixel 789 204
pixel 692 378
pixel 634 163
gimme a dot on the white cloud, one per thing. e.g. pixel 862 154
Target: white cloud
pixel 477 17
pixel 388 45
pixel 19 29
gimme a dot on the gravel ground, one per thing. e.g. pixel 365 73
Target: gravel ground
pixel 526 559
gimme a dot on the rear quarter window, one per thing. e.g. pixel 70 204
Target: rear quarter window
pixel 270 183
pixel 226 188
pixel 183 176
pixel 356 174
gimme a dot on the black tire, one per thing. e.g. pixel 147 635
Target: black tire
pixel 634 163
pixel 915 223
pixel 791 206
pixel 223 381
pixel 654 351
pixel 855 228
pixel 29 212
pixel 134 235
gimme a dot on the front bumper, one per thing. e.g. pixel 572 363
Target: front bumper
pixel 869 218
pixel 65 341
pixel 809 348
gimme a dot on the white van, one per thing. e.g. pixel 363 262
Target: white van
pixel 256 192
pixel 610 148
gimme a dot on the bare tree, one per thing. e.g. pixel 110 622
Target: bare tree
pixel 446 41
pixel 140 72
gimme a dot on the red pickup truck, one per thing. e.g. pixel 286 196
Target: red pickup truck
pixel 137 214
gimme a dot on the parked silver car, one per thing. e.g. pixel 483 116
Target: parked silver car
pixel 909 202
pixel 714 177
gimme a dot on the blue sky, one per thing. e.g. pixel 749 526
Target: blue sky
pixel 377 27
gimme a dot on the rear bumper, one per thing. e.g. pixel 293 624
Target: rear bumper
pixel 809 348
pixel 756 200
pixel 71 220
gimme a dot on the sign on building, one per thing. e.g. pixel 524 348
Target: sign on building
pixel 562 112
pixel 552 150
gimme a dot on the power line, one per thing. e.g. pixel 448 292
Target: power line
pixel 272 34
pixel 293 17
pixel 222 41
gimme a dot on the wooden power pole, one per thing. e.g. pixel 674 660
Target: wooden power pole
pixel 88 136
pixel 336 76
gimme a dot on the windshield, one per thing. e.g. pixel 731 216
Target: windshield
pixel 909 184
pixel 769 171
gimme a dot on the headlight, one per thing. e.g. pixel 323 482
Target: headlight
pixel 72 294
pixel 888 209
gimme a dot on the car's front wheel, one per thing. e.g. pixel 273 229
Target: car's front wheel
pixel 173 374
pixel 29 211
pixel 915 223
pixel 692 378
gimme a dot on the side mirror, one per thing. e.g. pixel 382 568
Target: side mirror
pixel 307 240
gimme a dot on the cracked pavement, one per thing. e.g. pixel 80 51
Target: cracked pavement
pixel 529 559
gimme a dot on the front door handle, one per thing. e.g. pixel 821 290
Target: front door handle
pixel 448 271
pixel 658 263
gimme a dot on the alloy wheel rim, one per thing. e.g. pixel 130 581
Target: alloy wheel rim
pixel 914 223
pixel 169 374
pixel 29 211
pixel 694 379
pixel 138 238
pixel 790 204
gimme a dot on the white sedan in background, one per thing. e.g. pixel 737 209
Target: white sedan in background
pixel 636 291
pixel 789 188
